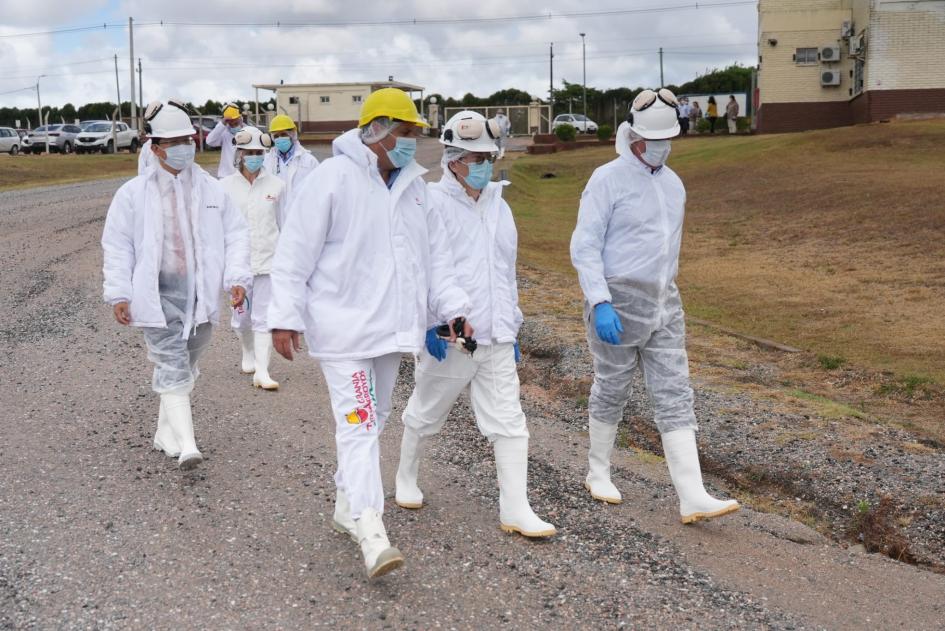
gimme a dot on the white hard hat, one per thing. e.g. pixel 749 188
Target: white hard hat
pixel 654 115
pixel 471 131
pixel 252 138
pixel 168 119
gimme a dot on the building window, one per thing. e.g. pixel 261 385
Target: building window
pixel 805 56
pixel 324 99
pixel 293 100
pixel 356 98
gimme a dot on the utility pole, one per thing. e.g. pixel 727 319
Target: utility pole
pixel 551 76
pixel 661 67
pixel 117 87
pixel 584 66
pixel 39 104
pixel 131 71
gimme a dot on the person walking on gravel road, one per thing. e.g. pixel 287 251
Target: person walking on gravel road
pixel 360 262
pixel 483 241
pixel 625 249
pixel 172 241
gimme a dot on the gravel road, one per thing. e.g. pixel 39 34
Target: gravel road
pixel 98 531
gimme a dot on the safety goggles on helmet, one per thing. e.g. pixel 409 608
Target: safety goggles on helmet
pixel 647 98
pixel 472 129
pixel 245 137
pixel 156 106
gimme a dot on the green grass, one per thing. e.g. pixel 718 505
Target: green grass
pixel 827 408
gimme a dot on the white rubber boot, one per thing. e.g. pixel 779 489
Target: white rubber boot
pixel 342 520
pixel 515 513
pixel 177 409
pixel 682 458
pixel 408 494
pixel 379 556
pixel 248 363
pixel 164 437
pixel 602 436
pixel 262 347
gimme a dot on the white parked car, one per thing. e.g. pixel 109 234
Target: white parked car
pixel 579 121
pixel 9 141
pixel 97 136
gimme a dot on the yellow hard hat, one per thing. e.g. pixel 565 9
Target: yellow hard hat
pixel 281 123
pixel 393 103
pixel 231 112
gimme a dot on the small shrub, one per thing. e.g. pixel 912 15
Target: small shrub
pixel 830 362
pixel 566 133
pixel 604 132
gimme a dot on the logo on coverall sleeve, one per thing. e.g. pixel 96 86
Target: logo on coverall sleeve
pixel 364 395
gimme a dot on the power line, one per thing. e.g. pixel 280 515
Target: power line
pixel 32 87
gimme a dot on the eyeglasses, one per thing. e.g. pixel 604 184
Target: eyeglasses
pixel 647 98
pixel 172 143
pixel 474 159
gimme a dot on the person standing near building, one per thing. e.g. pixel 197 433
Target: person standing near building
pixel 361 262
pixel 712 114
pixel 684 110
pixel 259 196
pixel 483 241
pixel 222 136
pixel 288 159
pixel 172 240
pixel 625 249
pixel 731 114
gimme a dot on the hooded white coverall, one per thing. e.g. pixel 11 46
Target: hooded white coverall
pixel 170 244
pixel 357 268
pixel 221 136
pixel 484 241
pixel 293 171
pixel 625 249
pixel 146 157
pixel 261 203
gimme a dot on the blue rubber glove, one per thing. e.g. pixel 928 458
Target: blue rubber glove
pixel 518 353
pixel 436 345
pixel 607 323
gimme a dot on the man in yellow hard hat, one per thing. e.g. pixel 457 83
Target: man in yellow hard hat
pixel 222 137
pixel 361 266
pixel 288 159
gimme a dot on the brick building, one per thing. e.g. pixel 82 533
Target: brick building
pixel 827 63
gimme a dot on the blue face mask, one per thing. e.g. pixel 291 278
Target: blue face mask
pixel 233 130
pixel 403 152
pixel 253 163
pixel 479 175
pixel 283 144
pixel 179 157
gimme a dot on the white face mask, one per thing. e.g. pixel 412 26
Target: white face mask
pixel 657 151
pixel 179 157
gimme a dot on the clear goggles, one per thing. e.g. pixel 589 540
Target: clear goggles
pixel 156 106
pixel 647 98
pixel 244 137
pixel 473 129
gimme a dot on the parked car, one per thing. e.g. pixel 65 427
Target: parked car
pixel 9 141
pixel 579 121
pixel 61 138
pixel 97 136
pixel 204 125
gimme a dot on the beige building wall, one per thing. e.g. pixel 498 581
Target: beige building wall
pixel 906 45
pixel 343 102
pixel 800 24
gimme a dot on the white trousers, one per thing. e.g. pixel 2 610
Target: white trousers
pixel 732 125
pixel 492 379
pixel 252 314
pixel 360 392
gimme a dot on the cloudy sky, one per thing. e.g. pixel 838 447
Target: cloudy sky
pixel 453 48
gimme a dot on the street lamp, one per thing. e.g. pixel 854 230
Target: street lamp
pixel 584 66
pixel 39 110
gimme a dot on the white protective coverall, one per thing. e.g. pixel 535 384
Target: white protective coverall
pixel 261 203
pixel 484 241
pixel 171 243
pixel 358 271
pixel 222 136
pixel 625 249
pixel 293 171
pixel 146 158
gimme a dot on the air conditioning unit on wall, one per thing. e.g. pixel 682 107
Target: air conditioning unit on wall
pixel 830 77
pixel 846 29
pixel 829 54
pixel 857 44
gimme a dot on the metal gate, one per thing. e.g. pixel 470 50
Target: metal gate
pixel 526 120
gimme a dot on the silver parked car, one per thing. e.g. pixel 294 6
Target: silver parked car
pixel 61 138
pixel 97 136
pixel 578 121
pixel 9 141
